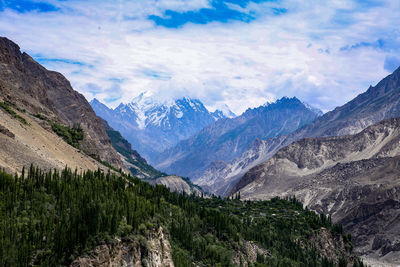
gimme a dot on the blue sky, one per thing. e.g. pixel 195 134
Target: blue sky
pixel 239 53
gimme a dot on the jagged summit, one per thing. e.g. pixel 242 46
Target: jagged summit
pixel 292 101
pixel 152 125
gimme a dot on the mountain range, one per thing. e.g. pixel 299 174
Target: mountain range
pixel 152 126
pixel 377 103
pixel 230 137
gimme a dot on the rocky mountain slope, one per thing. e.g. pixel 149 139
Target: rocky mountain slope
pixel 377 103
pixel 24 144
pixel 152 126
pixel 177 184
pixel 354 178
pixel 229 138
pixel 26 90
pixel 28 85
pixel 220 177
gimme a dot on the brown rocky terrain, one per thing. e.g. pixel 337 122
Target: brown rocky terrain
pixel 22 145
pixel 354 178
pixel 29 86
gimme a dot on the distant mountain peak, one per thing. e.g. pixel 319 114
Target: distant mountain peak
pixel 95 100
pixel 287 101
pixel 226 111
pixel 283 100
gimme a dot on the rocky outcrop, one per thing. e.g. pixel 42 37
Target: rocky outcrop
pixel 29 86
pixel 353 178
pixel 176 184
pixel 151 251
pixel 6 132
pixel 331 246
pixel 248 252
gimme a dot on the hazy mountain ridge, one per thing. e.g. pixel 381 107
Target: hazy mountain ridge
pixel 228 138
pixel 152 126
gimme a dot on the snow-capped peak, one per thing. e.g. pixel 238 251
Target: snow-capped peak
pixel 226 111
pixel 148 110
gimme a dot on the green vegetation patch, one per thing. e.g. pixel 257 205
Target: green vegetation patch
pixel 71 135
pixel 7 107
pixel 49 219
pixel 41 117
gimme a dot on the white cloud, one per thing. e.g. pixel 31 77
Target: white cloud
pixel 240 64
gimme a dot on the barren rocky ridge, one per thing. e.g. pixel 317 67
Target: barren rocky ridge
pixel 354 178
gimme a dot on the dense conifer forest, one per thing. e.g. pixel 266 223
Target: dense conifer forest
pixel 50 218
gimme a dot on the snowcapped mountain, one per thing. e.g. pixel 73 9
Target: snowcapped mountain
pixel 152 126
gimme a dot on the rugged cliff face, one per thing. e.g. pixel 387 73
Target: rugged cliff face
pixel 153 251
pixel 354 178
pixel 29 86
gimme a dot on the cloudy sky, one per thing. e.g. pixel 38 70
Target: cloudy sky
pixel 236 52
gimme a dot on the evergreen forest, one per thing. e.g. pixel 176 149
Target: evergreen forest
pixel 51 218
